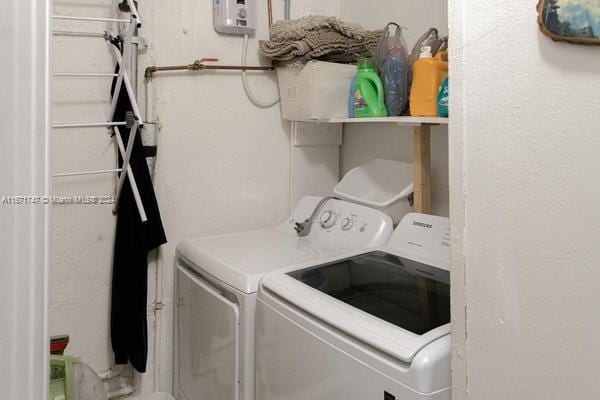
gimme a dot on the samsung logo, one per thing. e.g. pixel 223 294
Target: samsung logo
pixel 422 224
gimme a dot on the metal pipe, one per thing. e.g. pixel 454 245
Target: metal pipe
pixel 111 373
pixel 89 125
pixel 132 97
pixel 287 9
pixel 123 391
pixel 149 100
pixel 158 306
pixel 91 19
pixel 155 259
pixel 150 71
pixel 98 172
pixel 270 11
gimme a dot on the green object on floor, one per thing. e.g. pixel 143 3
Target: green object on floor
pixel 368 95
pixel 62 378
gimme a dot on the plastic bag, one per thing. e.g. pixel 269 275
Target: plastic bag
pixel 430 38
pixel 394 69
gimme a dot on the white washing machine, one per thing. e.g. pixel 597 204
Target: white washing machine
pixel 217 281
pixel 370 324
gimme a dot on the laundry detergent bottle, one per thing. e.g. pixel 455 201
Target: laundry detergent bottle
pixel 368 94
pixel 428 74
pixel 351 98
pixel 443 99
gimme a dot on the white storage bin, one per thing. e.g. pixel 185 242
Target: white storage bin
pixel 382 184
pixel 317 91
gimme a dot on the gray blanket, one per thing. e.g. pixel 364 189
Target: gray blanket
pixel 319 38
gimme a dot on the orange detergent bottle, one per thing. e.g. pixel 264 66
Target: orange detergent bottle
pixel 428 74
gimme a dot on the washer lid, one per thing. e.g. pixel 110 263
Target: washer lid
pixel 394 304
pixel 395 298
pixel 240 260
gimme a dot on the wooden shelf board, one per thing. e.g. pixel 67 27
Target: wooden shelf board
pixel 403 121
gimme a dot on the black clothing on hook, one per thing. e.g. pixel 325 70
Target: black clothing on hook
pixel 133 241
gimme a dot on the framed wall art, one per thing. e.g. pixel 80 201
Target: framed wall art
pixel 573 21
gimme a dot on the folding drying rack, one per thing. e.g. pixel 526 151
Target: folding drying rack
pixel 122 78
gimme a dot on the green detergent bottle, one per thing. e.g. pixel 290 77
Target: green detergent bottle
pixel 368 95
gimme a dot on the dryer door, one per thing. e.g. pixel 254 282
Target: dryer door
pixel 207 339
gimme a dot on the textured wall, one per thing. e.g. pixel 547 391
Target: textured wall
pixel 82 235
pixel 526 136
pixel 223 164
pixel 363 143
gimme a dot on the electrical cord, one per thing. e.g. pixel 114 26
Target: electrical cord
pixel 257 102
pixel 303 228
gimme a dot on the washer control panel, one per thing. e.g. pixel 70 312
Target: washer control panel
pixel 342 223
pixel 337 219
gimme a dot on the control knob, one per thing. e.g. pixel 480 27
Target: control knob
pixel 347 224
pixel 328 219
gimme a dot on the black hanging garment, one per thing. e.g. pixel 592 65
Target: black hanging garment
pixel 134 240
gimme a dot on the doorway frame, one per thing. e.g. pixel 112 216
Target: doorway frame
pixel 24 198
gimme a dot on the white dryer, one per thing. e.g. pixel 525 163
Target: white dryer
pixel 217 281
pixel 370 324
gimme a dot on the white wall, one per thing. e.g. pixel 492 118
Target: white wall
pixel 83 235
pixel 526 221
pixel 223 164
pixel 362 143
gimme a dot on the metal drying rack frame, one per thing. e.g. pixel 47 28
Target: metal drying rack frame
pixel 122 78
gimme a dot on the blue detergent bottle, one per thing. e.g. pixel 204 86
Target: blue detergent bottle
pixel 443 99
pixel 351 98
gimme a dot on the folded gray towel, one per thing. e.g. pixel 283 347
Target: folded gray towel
pixel 319 38
pixel 297 29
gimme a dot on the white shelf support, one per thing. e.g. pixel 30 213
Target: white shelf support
pixel 421 150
